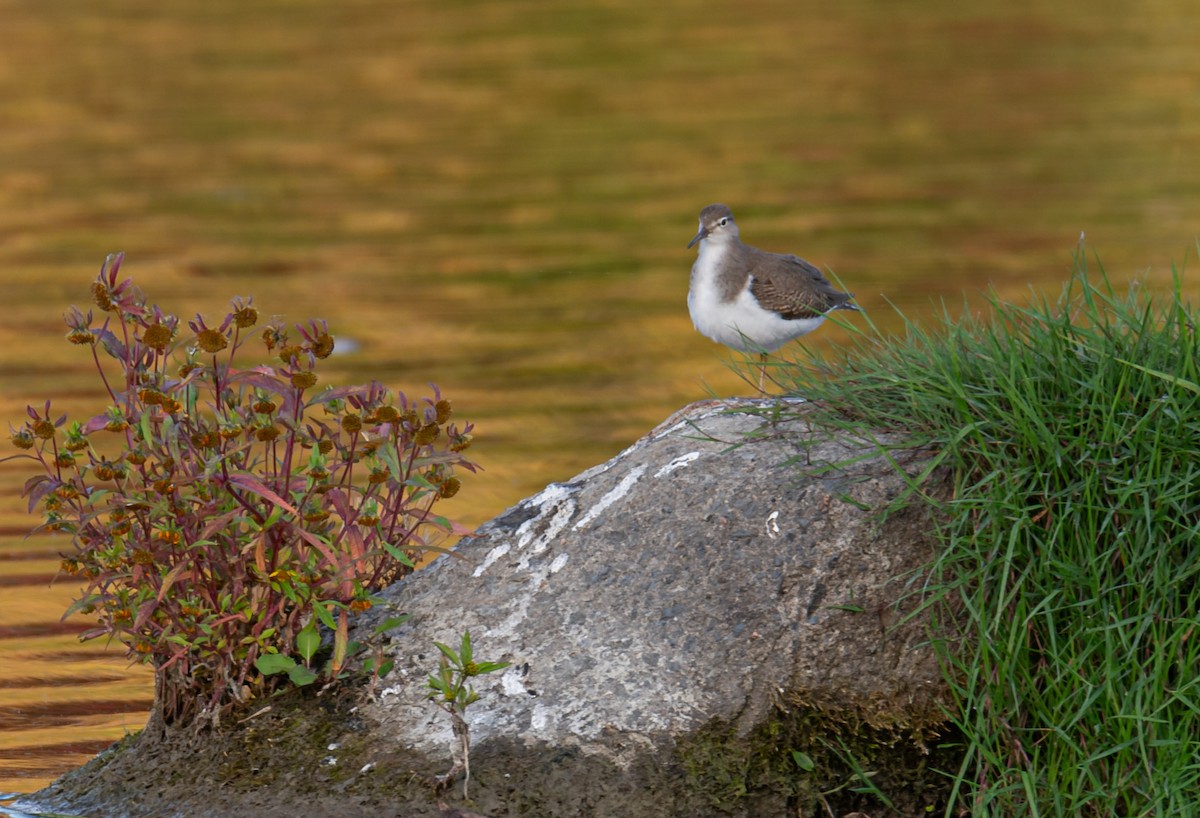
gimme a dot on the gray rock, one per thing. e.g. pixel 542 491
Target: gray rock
pixel 698 577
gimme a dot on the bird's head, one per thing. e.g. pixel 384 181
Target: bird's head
pixel 716 224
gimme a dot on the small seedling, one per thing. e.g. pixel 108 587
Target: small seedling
pixel 452 692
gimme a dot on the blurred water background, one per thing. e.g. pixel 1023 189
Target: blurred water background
pixel 496 197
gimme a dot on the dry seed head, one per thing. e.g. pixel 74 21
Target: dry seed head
pixel 324 446
pixel 207 439
pixel 158 336
pixel 461 442
pixel 427 434
pixel 267 433
pixel 386 414
pixel 273 336
pixel 264 406
pixel 100 295
pixel 22 439
pixel 246 317
pixel 81 336
pixel 351 423
pixel 449 488
pixel 211 340
pixel 304 380
pixel 443 409
pixel 43 428
pixel 322 345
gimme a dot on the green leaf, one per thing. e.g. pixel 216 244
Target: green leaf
pixel 301 676
pixel 308 641
pixel 449 653
pixel 325 616
pixel 391 622
pixel 850 608
pixel 391 459
pixel 1182 383
pixel 398 555
pixel 803 761
pixel 489 667
pixel 270 663
pixel 465 650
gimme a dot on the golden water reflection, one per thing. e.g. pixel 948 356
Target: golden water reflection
pixel 496 197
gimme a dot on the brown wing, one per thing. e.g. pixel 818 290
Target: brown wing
pixel 792 287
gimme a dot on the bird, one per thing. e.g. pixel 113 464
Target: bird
pixel 752 300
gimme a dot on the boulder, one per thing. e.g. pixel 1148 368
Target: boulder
pixel 711 623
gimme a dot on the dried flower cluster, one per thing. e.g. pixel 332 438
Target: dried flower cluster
pixel 220 513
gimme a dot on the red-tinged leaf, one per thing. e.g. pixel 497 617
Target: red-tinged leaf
pixel 95 424
pixel 111 343
pixel 255 486
pixel 356 546
pixel 175 657
pixel 219 524
pixel 262 377
pixel 319 544
pixel 260 553
pixel 169 579
pixel 341 639
pixel 38 487
pixel 337 393
pixel 143 614
pixel 460 530
pixel 341 503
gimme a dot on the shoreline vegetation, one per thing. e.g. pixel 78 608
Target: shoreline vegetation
pixel 1071 541
pixel 1071 536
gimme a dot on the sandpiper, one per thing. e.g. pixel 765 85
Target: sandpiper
pixel 752 300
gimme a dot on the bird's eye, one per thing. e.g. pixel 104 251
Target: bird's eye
pixel 723 222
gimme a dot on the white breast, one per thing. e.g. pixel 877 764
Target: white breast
pixel 741 323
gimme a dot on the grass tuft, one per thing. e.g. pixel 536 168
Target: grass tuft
pixel 1071 430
